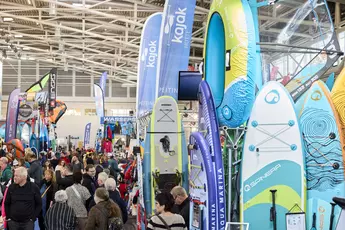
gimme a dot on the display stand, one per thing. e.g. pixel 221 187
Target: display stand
pixel 233 138
pixel 295 220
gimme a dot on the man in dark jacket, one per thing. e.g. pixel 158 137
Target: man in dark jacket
pixel 89 179
pixel 181 203
pixel 23 202
pixel 6 172
pixel 35 170
pixel 66 171
pixel 113 164
pixel 110 186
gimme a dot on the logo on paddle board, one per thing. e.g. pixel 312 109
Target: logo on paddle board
pixel 272 97
pixel 252 184
pixel 316 95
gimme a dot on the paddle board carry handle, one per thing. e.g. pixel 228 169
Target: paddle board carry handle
pixel 273 211
pixel 332 216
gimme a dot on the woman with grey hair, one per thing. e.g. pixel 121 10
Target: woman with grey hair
pixel 60 216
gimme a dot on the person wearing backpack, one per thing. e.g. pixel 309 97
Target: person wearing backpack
pixel 105 215
pixel 165 219
pixel 78 199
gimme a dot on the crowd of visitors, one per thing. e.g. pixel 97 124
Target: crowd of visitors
pixel 78 190
pixel 61 191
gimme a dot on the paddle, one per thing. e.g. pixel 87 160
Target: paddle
pixel 332 216
pixel 273 211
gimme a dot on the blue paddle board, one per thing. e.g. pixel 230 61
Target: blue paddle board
pixel 323 147
pixel 230 39
pixel 203 193
pixel 208 126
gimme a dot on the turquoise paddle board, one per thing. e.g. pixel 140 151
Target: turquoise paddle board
pixel 323 147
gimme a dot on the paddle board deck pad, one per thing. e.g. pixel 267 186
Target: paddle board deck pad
pixel 203 193
pixel 166 155
pixel 272 160
pixel 321 131
pixel 230 39
pixel 208 126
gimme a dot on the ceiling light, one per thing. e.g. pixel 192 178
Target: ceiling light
pixel 278 6
pixel 29 2
pixel 26 48
pixel 18 36
pixel 109 7
pixel 8 19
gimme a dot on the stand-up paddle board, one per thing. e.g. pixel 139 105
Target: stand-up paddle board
pixel 166 153
pixel 203 193
pixel 230 39
pixel 323 145
pixel 33 139
pixel 338 98
pixel 208 126
pixel 272 162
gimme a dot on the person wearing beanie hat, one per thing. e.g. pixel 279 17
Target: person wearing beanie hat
pixel 104 213
pixel 60 216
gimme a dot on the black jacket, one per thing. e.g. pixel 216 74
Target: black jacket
pixel 50 192
pixel 89 183
pixel 65 182
pixel 183 210
pixel 115 196
pixel 23 203
pixel 36 172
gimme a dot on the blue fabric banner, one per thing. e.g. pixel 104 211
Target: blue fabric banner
pixel 12 115
pixel 99 99
pixel 174 46
pixel 103 81
pixel 87 135
pixel 147 64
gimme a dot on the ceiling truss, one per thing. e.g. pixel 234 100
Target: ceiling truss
pixel 94 36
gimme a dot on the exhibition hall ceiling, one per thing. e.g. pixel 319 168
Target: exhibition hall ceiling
pixel 93 36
